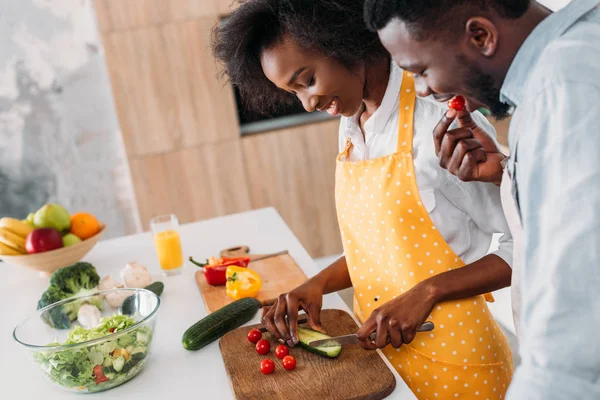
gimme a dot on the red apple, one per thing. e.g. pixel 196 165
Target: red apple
pixel 43 239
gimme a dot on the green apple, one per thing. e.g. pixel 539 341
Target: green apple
pixel 29 220
pixel 70 239
pixel 52 216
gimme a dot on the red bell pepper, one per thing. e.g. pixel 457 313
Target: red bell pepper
pixel 239 261
pixel 99 374
pixel 215 269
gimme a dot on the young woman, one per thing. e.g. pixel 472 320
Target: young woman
pixel 415 237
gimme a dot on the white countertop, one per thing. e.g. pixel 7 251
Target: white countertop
pixel 171 371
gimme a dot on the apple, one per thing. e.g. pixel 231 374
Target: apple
pixel 43 239
pixel 70 239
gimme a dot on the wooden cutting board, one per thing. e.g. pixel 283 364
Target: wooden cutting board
pixel 355 374
pixel 279 275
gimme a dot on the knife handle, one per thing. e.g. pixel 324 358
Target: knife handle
pixel 426 327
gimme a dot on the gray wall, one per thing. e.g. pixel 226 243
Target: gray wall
pixel 59 134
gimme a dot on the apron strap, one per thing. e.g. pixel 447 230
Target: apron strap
pixel 406 113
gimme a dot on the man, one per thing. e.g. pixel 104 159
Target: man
pixel 545 66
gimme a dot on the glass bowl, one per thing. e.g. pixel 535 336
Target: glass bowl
pixel 93 360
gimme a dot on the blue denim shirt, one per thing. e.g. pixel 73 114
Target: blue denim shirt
pixel 554 138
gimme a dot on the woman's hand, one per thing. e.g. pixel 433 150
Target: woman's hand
pixel 397 321
pixel 467 151
pixel 309 297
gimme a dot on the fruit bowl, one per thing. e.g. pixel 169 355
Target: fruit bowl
pixel 107 355
pixel 49 261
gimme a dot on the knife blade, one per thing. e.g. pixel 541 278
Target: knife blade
pixel 353 338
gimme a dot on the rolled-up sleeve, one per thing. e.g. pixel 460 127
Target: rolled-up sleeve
pixel 558 176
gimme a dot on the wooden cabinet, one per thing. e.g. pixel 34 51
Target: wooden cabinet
pixel 166 89
pixel 118 15
pixel 195 183
pixel 294 170
pixel 181 132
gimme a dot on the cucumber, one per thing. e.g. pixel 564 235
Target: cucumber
pixel 128 307
pixel 138 349
pixel 156 287
pixel 127 367
pixel 142 338
pixel 215 325
pixel 108 370
pixel 305 336
pixel 118 363
pixel 137 357
pixel 126 340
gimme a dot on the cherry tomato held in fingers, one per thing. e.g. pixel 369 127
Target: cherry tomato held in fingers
pixel 267 366
pixel 263 346
pixel 289 363
pixel 457 103
pixel 281 351
pixel 254 336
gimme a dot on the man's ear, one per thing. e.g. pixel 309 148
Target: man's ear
pixel 483 35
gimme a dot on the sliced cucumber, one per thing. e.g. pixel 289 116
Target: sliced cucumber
pixel 126 340
pixel 118 363
pixel 305 336
pixel 142 338
pixel 138 349
pixel 108 370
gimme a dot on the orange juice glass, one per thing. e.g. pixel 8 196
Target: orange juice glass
pixel 167 242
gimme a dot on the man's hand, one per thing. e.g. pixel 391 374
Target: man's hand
pixel 397 321
pixel 468 151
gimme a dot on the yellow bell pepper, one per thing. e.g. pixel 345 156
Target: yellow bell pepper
pixel 242 282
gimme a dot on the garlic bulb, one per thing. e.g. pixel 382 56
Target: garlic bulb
pixel 135 275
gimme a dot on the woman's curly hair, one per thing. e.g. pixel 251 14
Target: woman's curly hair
pixel 334 28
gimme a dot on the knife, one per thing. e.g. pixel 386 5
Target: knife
pixel 353 338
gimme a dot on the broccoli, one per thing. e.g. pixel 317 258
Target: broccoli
pixel 78 276
pixel 78 279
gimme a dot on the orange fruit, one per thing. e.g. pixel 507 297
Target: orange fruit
pixel 84 225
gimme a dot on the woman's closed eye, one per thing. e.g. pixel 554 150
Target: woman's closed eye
pixel 311 82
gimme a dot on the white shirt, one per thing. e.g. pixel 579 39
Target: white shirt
pixel 466 214
pixel 554 83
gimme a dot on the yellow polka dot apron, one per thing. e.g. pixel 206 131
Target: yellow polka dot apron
pixel 390 245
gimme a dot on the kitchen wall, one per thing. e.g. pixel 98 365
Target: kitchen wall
pixel 60 139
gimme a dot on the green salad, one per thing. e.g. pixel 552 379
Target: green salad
pixel 99 367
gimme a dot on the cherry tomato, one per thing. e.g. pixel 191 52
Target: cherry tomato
pixel 457 102
pixel 254 336
pixel 281 351
pixel 263 346
pixel 267 366
pixel 289 363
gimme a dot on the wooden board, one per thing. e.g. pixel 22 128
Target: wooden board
pixel 355 374
pixel 279 275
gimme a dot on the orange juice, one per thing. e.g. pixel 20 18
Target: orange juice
pixel 168 249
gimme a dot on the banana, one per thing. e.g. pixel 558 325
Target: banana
pixel 15 226
pixel 10 239
pixel 9 251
